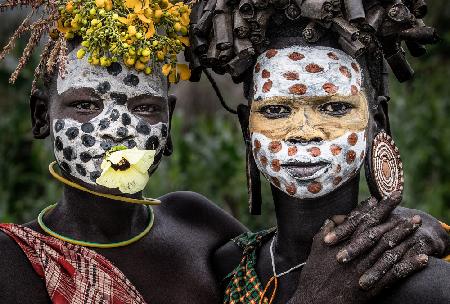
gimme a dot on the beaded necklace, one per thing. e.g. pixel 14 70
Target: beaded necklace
pixel 275 276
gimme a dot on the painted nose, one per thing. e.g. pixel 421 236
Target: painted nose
pixel 305 135
pixel 302 132
pixel 118 128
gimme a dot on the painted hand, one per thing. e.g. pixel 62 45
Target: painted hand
pixel 354 257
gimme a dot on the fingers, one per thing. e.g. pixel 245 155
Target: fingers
pixel 381 211
pixel 363 242
pixel 386 236
pixel 383 265
pixel 406 267
pixel 328 226
pixel 338 219
pixel 350 224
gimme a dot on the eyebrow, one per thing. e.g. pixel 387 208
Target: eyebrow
pixel 148 96
pixel 81 92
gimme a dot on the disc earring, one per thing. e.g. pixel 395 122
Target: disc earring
pixel 386 168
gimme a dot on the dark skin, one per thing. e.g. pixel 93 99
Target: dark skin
pixel 169 265
pixel 300 238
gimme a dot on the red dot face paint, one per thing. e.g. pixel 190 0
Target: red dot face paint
pixel 298 89
pixel 317 72
pixel 271 53
pixel 314 151
pixel 275 146
pixel 292 150
pixel 265 73
pixel 301 149
pixel 330 88
pixel 275 164
pixel 333 55
pixel 345 71
pixel 295 56
pixel 314 187
pixel 291 75
pixel 352 139
pixel 267 86
pixel 313 68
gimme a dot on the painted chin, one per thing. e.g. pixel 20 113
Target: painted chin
pixel 306 171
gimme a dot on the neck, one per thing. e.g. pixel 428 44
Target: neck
pixel 83 216
pixel 299 220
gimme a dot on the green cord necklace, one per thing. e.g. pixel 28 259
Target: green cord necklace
pixel 96 245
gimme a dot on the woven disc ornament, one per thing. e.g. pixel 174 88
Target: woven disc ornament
pixel 387 166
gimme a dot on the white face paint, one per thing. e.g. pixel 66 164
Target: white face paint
pixel 81 74
pixel 312 170
pixel 79 147
pixel 301 143
pixel 307 72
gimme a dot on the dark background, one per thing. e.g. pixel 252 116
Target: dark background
pixel 209 153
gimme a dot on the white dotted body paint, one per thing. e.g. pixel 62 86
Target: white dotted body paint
pixel 81 74
pixel 305 71
pixel 79 148
pixel 312 170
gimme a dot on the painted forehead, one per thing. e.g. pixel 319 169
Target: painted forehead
pixel 118 78
pixel 306 72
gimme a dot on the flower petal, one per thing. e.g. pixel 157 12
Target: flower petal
pixel 144 19
pixel 124 20
pixel 185 19
pixel 116 157
pixel 184 40
pixel 105 165
pixel 184 71
pixel 150 30
pixel 110 178
pixel 135 181
pixel 145 162
pixel 166 69
pixel 132 3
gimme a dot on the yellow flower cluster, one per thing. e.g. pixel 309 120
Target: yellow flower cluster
pixel 141 33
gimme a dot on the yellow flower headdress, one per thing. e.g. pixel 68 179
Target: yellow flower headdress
pixel 141 33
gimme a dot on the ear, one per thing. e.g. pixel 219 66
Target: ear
pixel 39 105
pixel 172 101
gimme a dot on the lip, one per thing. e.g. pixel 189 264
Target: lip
pixel 306 170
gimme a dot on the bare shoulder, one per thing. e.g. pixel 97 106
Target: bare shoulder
pixel 226 258
pixel 17 275
pixel 431 286
pixel 196 210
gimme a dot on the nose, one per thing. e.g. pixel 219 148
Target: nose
pixel 118 127
pixel 304 133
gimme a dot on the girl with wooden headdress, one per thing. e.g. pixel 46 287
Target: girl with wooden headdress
pixel 315 75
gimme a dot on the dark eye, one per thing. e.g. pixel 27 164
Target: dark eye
pixel 147 108
pixel 336 108
pixel 85 106
pixel 275 111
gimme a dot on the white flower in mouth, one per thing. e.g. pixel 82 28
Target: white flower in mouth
pixel 126 169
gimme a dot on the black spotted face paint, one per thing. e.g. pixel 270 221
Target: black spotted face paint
pixel 79 147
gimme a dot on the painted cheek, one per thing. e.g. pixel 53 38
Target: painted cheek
pixel 79 147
